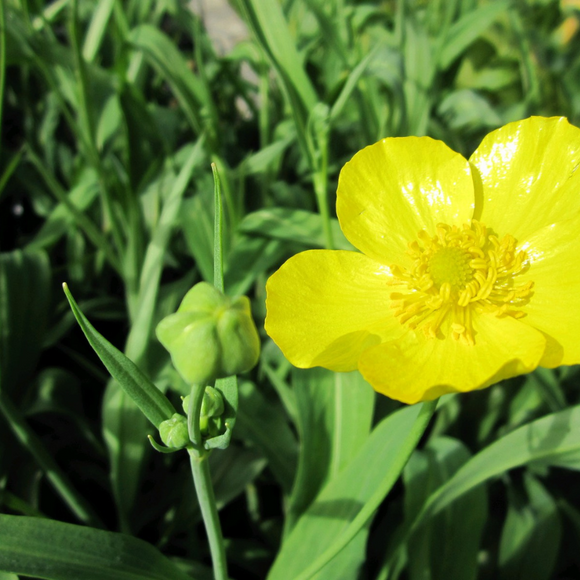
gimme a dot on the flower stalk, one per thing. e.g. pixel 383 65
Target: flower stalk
pixel 198 458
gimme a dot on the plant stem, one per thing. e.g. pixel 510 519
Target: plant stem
pixel 392 475
pixel 198 458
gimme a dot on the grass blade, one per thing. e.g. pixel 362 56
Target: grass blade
pixel 96 32
pixel 547 441
pixel 150 400
pixel 58 551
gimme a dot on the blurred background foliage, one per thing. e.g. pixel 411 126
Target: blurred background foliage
pixel 112 111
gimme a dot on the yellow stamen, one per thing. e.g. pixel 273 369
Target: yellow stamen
pixel 455 271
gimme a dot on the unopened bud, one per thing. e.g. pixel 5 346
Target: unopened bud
pixel 210 336
pixel 174 433
pixel 212 406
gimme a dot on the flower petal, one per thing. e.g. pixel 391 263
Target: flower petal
pixel 420 369
pixel 528 175
pixel 326 307
pixel 391 190
pixel 554 307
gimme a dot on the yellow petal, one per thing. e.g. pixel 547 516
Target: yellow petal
pixel 554 307
pixel 419 369
pixel 391 190
pixel 528 175
pixel 326 307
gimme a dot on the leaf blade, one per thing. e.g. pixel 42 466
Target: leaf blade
pixel 152 403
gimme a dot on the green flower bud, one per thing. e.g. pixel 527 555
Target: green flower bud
pixel 212 404
pixel 174 433
pixel 210 336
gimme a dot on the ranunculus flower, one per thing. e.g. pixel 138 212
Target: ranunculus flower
pixel 469 272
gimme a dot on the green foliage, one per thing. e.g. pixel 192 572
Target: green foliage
pixel 113 115
pixel 58 551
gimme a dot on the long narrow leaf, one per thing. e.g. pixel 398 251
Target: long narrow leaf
pixel 150 400
pixel 346 503
pixel 548 441
pixel 269 24
pixel 58 551
pixel 170 63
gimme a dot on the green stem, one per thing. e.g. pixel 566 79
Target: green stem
pixel 198 458
pixel 390 478
pixel 320 190
pixel 218 239
pixel 77 504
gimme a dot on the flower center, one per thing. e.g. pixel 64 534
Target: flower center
pixel 456 271
pixel 450 266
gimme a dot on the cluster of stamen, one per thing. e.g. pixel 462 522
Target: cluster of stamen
pixel 453 273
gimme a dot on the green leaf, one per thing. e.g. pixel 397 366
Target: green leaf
pixel 293 225
pixel 58 551
pixel 123 424
pixel 334 420
pixel 446 548
pixel 152 403
pixel 170 63
pixel 154 258
pixel 57 477
pixel 60 220
pixel 9 169
pixel 419 75
pixel 467 29
pixel 344 496
pixel 232 471
pixel 197 225
pixel 266 426
pixel 466 110
pixel 24 305
pixel 97 28
pixel 58 391
pixel 530 539
pixel 249 258
pixel 552 440
pixel 261 161
pixel 351 83
pixel 268 23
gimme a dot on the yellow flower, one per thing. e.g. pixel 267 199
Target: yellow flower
pixel 469 272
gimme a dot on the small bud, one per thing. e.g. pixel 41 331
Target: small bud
pixel 210 336
pixel 212 406
pixel 174 433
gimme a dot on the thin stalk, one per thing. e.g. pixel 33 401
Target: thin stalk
pixel 391 477
pixel 320 190
pixel 218 239
pixel 198 458
pixel 77 504
pixel 264 126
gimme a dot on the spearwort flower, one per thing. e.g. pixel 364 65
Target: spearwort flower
pixel 469 270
